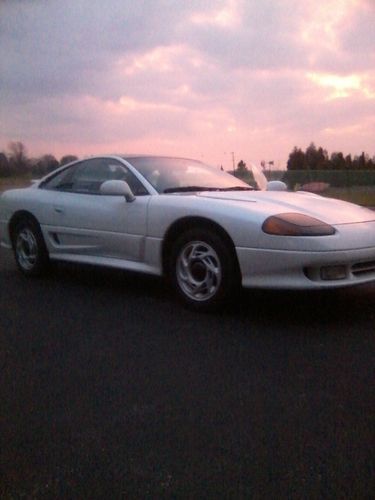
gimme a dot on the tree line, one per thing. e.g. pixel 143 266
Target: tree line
pixel 314 158
pixel 315 165
pixel 15 162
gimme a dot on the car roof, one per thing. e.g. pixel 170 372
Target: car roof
pixel 130 156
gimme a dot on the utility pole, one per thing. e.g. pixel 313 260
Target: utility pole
pixel 234 165
pixel 269 169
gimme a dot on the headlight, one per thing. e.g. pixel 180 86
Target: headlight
pixel 292 224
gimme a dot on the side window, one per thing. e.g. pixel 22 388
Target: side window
pixel 87 177
pixel 118 171
pixel 63 181
pixel 90 176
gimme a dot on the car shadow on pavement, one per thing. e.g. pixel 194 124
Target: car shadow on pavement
pixel 109 279
pixel 351 305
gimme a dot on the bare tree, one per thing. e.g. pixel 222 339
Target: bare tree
pixel 44 165
pixel 5 170
pixel 67 159
pixel 18 160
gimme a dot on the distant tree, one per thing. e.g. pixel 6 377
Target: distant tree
pixel 362 160
pixel 67 159
pixel 317 159
pixel 359 162
pixel 18 160
pixel 296 159
pixel 348 162
pixel 322 157
pixel 44 165
pixel 338 161
pixel 50 162
pixel 241 169
pixel 5 170
pixel 314 157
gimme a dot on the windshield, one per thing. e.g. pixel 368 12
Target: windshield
pixel 168 175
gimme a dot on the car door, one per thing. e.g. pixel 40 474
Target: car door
pixel 81 221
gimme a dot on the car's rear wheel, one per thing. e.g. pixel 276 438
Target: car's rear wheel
pixel 29 248
pixel 203 269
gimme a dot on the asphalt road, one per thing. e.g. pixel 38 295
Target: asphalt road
pixel 111 389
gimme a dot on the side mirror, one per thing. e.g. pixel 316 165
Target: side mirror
pixel 117 188
pixel 276 186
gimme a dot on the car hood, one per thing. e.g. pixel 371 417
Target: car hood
pixel 328 210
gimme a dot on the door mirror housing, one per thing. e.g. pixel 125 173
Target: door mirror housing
pixel 276 186
pixel 117 188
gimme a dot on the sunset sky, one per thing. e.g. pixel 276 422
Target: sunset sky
pixel 197 78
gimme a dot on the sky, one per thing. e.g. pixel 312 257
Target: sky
pixel 215 80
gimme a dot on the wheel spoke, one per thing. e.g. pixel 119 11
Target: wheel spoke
pixel 198 270
pixel 211 265
pixel 26 249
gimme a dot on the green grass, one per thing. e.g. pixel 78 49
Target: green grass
pixel 362 195
pixel 14 182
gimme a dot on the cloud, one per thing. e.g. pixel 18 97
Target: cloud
pixel 358 39
pixel 253 36
pixel 215 75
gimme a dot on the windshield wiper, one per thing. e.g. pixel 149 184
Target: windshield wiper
pixel 187 189
pixel 237 188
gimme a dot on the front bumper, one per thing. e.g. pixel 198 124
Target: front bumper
pixel 285 269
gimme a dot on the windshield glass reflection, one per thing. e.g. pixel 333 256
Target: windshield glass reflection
pixel 179 174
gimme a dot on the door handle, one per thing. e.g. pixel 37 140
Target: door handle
pixel 59 210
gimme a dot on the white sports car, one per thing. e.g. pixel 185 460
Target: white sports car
pixel 202 228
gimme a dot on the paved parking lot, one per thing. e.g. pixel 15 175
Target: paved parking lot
pixel 110 389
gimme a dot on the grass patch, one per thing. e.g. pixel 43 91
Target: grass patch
pixel 362 195
pixel 14 182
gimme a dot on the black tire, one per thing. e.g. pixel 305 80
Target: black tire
pixel 203 270
pixel 29 248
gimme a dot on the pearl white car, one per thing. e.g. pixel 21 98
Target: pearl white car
pixel 202 228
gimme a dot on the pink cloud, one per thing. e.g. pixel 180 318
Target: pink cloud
pixel 196 79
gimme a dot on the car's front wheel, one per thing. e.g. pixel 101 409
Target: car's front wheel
pixel 29 248
pixel 203 269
